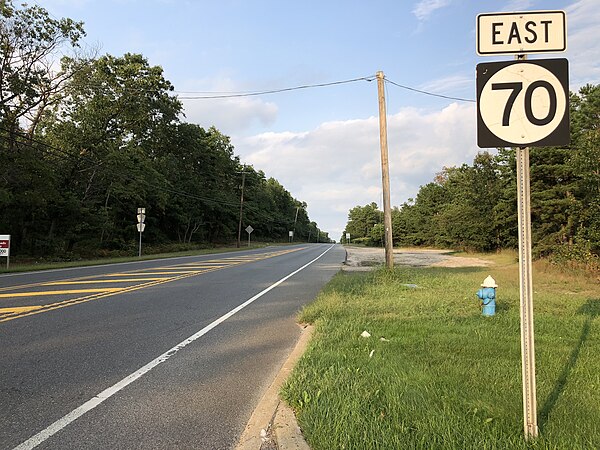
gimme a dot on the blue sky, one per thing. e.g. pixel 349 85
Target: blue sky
pixel 322 144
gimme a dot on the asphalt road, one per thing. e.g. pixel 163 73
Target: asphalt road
pixel 157 354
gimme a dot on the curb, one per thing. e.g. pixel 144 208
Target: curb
pixel 273 425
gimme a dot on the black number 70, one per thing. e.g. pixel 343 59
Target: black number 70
pixel 516 88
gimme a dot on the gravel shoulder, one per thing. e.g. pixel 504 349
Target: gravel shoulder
pixel 366 258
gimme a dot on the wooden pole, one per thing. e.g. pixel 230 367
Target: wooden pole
pixel 385 173
pixel 241 212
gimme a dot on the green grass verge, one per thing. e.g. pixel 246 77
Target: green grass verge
pixel 443 376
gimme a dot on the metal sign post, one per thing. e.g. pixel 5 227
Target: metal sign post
pixel 141 216
pixel 249 230
pixel 526 295
pixel 522 103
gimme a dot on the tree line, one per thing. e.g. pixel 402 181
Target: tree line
pixel 85 140
pixel 474 206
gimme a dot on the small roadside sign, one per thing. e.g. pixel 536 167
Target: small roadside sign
pixel 521 32
pixel 4 244
pixel 141 226
pixel 5 247
pixel 249 230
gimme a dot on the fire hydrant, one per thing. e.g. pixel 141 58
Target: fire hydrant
pixel 488 296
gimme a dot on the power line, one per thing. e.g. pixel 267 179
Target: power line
pixel 62 154
pixel 433 94
pixel 275 91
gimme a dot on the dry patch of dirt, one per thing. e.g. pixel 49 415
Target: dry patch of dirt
pixel 364 258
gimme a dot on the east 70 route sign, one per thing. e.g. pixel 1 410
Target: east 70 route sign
pixel 522 103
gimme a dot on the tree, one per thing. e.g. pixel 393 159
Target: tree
pixel 361 220
pixel 468 219
pixel 585 162
pixel 30 40
pixel 114 122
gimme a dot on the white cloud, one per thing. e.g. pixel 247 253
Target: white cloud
pixel 582 37
pixel 450 84
pixel 230 115
pixel 337 165
pixel 518 5
pixel 425 8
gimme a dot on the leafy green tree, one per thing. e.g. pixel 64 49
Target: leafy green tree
pixel 201 174
pixel 30 42
pixel 113 124
pixel 585 163
pixel 361 220
pixel 468 219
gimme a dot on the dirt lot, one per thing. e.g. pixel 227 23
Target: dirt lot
pixel 363 258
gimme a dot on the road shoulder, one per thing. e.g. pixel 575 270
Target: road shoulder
pixel 273 424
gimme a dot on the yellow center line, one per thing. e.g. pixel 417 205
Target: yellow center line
pixel 170 272
pixel 203 265
pixel 19 309
pixel 12 313
pixel 122 280
pixel 68 291
pixel 79 300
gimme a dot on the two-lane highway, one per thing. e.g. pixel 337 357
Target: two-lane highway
pixel 156 354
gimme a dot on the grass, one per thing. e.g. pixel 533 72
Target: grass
pixel 435 374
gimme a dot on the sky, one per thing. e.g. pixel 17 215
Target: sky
pixel 322 143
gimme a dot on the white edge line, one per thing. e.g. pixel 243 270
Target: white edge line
pixel 61 423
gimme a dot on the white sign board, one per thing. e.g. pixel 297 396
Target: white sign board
pixel 4 244
pixel 521 32
pixel 249 229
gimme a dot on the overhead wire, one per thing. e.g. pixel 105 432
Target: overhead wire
pixel 433 94
pixel 238 94
pixel 274 91
pixel 27 141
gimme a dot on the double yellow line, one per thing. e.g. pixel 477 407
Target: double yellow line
pixel 182 270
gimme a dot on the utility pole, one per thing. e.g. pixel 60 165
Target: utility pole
pixel 241 211
pixel 295 220
pixel 385 173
